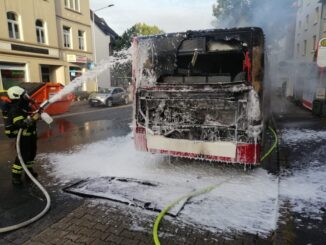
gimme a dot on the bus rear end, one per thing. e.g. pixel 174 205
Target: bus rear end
pixel 199 94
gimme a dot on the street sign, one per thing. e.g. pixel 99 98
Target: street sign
pixel 321 56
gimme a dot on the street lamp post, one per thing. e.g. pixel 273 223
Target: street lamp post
pixel 94 44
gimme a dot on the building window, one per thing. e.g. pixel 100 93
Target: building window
pixel 298 49
pixel 316 15
pixel 66 37
pixel 40 31
pixel 304 47
pixel 81 39
pixel 13 26
pixel 11 74
pixel 73 4
pixel 77 5
pixel 307 22
pixel 314 44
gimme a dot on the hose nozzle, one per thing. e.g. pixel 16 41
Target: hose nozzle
pixel 44 104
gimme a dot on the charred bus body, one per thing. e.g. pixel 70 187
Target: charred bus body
pixel 199 94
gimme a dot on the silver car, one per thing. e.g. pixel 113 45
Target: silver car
pixel 109 97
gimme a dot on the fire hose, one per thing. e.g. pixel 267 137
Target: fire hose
pixel 201 192
pixel 48 120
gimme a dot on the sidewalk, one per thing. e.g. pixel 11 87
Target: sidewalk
pixel 111 223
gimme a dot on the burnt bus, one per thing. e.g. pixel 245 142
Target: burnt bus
pixel 199 94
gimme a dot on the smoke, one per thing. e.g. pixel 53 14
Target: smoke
pixel 274 17
pixel 277 18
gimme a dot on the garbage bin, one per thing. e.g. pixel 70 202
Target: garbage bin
pixel 44 91
pixel 317 107
pixel 47 92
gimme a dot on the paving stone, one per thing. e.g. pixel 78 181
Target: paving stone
pixel 85 240
pixel 127 234
pixel 129 242
pixel 99 242
pixel 114 238
pixel 88 224
pixel 68 242
pixel 71 236
pixel 74 228
pixel 115 230
pixel 86 232
pixel 88 217
pixel 62 225
pixel 100 235
pixel 28 243
pixel 101 227
pixel 80 212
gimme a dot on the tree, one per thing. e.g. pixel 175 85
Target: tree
pixel 139 29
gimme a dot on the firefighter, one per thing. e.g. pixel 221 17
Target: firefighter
pixel 19 116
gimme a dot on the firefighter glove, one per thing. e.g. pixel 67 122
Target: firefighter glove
pixel 36 116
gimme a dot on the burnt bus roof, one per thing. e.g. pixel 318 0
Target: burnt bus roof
pixel 253 36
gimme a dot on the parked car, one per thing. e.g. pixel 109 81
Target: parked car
pixel 109 97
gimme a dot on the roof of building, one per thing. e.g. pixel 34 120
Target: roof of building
pixel 103 26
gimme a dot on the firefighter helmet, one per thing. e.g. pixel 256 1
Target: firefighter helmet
pixel 15 92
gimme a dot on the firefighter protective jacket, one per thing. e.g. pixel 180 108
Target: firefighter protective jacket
pixel 17 118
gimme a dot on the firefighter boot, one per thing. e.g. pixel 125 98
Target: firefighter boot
pixel 16 179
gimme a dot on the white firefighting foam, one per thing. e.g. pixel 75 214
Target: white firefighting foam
pixel 304 186
pixel 247 202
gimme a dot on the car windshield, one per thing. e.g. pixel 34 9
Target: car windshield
pixel 104 90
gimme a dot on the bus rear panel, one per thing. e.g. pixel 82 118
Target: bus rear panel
pixel 199 94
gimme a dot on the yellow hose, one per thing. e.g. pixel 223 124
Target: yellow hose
pixel 200 192
pixel 166 209
pixel 273 146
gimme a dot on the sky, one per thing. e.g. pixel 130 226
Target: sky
pixel 168 15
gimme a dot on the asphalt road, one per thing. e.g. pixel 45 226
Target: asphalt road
pixel 80 125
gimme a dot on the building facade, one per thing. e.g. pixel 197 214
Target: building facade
pixel 307 81
pixel 44 40
pixel 309 29
pixel 75 37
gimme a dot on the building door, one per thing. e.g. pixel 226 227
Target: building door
pixel 12 74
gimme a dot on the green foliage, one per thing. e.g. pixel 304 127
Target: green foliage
pixel 139 29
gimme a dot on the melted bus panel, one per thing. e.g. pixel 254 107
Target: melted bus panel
pixel 199 94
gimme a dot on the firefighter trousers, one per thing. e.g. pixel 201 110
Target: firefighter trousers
pixel 28 148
